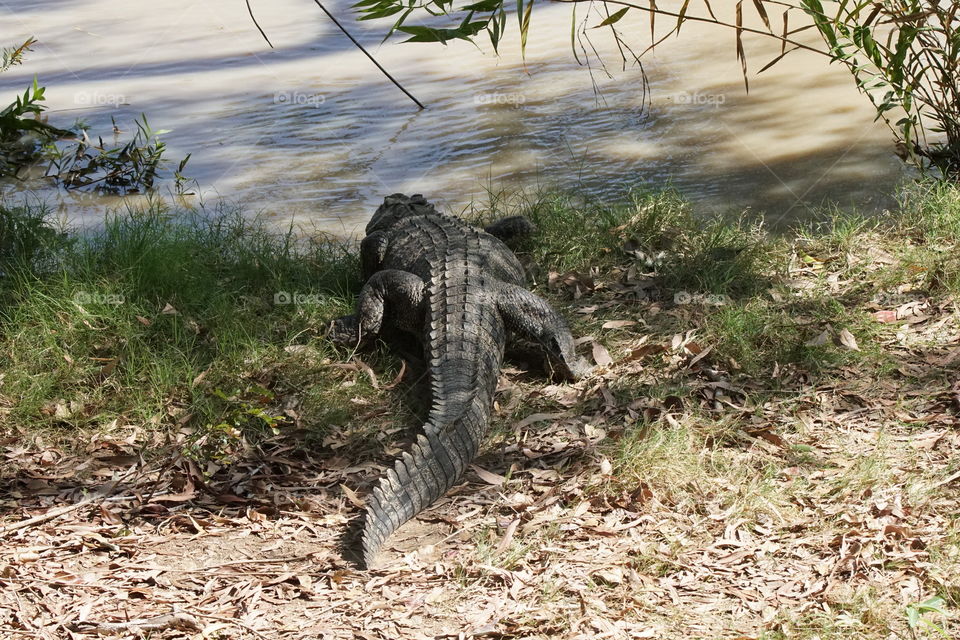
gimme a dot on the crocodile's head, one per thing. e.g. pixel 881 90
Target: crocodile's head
pixel 396 208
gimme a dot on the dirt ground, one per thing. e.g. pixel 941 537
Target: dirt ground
pixel 534 544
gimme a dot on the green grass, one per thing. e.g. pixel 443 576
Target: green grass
pixel 576 233
pixel 163 313
pixel 659 228
pixel 760 321
pixel 931 211
pixel 159 315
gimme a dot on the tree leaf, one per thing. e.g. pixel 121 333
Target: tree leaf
pixel 614 17
pixel 763 13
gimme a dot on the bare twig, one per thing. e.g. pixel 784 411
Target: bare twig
pixel 367 53
pixel 143 567
pixel 44 517
pixel 176 620
pixel 352 39
pixel 101 496
pixel 257 24
pixel 719 23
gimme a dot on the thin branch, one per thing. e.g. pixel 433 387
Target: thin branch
pixel 178 620
pixel 718 23
pixel 59 511
pixel 367 53
pixel 352 39
pixel 232 563
pixel 252 17
pixel 49 515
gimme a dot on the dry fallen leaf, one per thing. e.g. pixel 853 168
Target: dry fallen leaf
pixel 507 536
pixel 601 356
pixel 645 350
pixel 618 324
pixel 605 467
pixel 352 496
pixel 886 316
pixel 848 341
pixel 488 476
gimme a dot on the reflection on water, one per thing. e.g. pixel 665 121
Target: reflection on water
pixel 311 131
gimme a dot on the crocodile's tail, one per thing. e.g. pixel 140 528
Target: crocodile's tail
pixel 423 473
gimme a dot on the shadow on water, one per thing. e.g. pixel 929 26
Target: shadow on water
pixel 312 132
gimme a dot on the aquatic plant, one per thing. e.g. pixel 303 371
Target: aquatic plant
pixel 68 157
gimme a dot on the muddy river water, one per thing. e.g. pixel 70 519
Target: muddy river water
pixel 310 131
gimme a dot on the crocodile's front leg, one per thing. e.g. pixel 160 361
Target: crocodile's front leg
pixel 532 318
pixel 373 249
pixel 398 293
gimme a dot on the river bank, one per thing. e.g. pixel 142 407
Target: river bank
pixel 767 446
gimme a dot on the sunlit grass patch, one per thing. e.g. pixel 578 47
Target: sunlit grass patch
pixel 931 211
pixel 574 233
pixel 720 256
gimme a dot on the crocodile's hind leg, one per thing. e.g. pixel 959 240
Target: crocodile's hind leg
pixel 532 318
pixel 398 293
pixel 510 229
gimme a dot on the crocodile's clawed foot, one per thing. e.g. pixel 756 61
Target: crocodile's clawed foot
pixel 563 370
pixel 345 331
pixel 579 369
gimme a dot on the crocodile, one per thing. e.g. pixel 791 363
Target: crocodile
pixel 460 292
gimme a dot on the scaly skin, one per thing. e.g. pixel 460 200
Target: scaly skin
pixel 460 291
